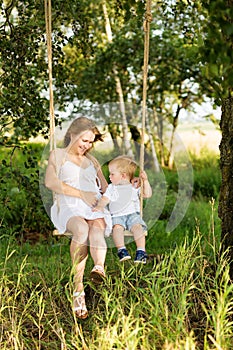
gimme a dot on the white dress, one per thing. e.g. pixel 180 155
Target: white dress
pixel 65 207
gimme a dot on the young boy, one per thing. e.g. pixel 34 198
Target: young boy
pixel 124 206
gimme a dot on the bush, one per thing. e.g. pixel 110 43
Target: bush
pixel 21 205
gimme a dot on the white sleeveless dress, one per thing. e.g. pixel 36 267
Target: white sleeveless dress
pixel 65 207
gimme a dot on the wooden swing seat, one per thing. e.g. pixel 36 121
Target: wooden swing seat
pixel 69 234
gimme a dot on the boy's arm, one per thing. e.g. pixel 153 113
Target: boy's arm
pixel 146 187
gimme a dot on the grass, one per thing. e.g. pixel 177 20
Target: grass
pixel 181 299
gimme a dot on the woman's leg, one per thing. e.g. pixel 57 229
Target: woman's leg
pixel 98 246
pixel 78 249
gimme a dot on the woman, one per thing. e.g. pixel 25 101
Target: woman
pixel 76 178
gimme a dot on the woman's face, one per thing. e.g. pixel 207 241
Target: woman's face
pixel 82 143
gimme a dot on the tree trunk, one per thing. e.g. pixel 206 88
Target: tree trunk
pixel 136 137
pixel 170 160
pixel 112 128
pixel 158 121
pixel 126 141
pixel 153 151
pixel 225 209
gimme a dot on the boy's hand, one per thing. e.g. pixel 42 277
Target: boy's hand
pixel 143 175
pixel 136 181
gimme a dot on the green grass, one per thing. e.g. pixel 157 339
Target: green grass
pixel 182 298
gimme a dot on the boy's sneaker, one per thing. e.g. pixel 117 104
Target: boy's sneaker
pixel 123 255
pixel 140 257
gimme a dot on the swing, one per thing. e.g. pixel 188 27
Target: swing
pixel 146 27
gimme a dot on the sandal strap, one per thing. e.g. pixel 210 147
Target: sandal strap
pixel 98 268
pixel 80 300
pixel 80 308
pixel 79 294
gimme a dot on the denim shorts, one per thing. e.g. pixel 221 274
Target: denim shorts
pixel 128 221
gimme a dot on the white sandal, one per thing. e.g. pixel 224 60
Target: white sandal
pixel 80 310
pixel 98 274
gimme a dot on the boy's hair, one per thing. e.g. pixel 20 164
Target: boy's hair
pixel 125 165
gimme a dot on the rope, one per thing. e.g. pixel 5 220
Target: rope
pixel 146 27
pixel 48 21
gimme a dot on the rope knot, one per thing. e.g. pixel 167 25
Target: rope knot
pixel 147 20
pixel 148 16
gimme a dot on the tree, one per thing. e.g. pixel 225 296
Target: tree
pixel 23 64
pixel 217 58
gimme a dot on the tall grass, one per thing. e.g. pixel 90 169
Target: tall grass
pixel 180 300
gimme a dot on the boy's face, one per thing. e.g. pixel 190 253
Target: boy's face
pixel 114 175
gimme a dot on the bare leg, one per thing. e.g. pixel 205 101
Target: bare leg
pixel 98 246
pixel 118 236
pixel 139 236
pixel 78 249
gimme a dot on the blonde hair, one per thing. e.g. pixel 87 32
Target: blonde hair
pixel 125 164
pixel 79 126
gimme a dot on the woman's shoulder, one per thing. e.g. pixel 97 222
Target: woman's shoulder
pixel 58 151
pixel 58 155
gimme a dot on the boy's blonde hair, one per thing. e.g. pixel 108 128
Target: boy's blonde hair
pixel 125 164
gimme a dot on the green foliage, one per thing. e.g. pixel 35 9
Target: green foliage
pixel 207 183
pixel 83 60
pixel 21 205
pixel 181 299
pixel 216 51
pixel 23 70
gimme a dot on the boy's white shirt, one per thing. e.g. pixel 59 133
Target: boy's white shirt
pixel 124 199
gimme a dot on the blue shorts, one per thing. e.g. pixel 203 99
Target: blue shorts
pixel 128 221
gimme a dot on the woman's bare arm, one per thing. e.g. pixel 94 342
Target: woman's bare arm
pixel 103 181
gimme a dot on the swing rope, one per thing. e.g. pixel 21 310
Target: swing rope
pixel 48 21
pixel 146 26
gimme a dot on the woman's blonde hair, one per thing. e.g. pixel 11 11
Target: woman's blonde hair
pixel 80 125
pixel 126 165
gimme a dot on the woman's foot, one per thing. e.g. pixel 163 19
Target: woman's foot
pixel 79 305
pixel 98 274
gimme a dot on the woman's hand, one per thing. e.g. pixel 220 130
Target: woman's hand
pixel 98 208
pixel 90 198
pixel 136 182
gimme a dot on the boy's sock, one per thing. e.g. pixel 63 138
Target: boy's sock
pixel 143 249
pixel 123 254
pixel 119 249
